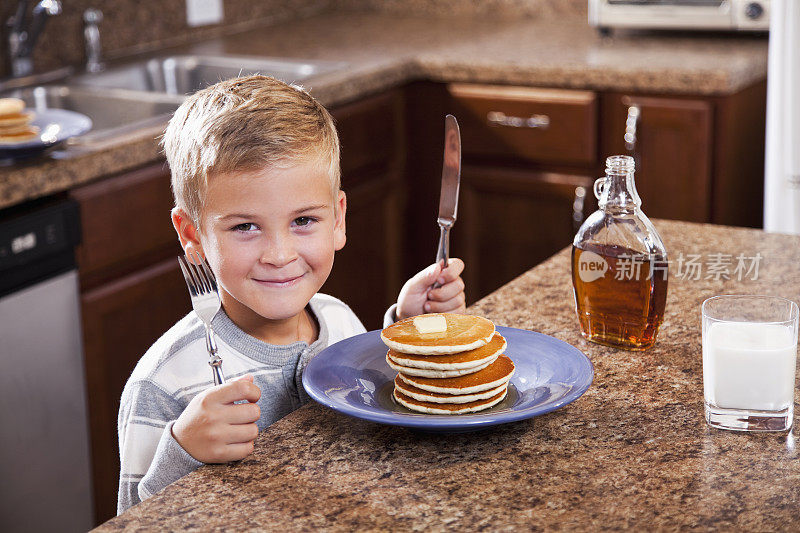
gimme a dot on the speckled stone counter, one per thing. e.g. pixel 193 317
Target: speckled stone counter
pixel 632 453
pixel 383 50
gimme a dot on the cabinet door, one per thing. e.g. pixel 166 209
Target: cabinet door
pixel 510 220
pixel 366 272
pixel 120 321
pixel 126 224
pixel 673 146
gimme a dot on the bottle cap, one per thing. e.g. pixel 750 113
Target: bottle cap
pixel 620 164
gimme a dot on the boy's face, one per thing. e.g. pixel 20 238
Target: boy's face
pixel 270 236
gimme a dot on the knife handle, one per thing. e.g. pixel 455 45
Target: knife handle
pixel 444 248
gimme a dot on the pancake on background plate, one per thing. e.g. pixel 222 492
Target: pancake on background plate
pixel 15 122
pixel 11 106
pixel 28 134
pixel 447 363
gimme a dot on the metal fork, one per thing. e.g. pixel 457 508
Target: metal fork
pixel 205 300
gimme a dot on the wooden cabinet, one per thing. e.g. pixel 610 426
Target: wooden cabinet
pixel 132 291
pixel 121 320
pixel 698 159
pixel 513 219
pixel 529 124
pixel 126 224
pixel 367 271
pixel 528 156
pixel 671 139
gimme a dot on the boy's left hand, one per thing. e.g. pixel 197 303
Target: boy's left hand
pixel 418 295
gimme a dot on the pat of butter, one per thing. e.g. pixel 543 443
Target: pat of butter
pixel 430 324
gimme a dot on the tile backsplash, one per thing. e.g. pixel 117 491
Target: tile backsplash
pixel 493 8
pixel 131 26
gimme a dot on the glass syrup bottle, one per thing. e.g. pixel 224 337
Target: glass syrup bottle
pixel 619 265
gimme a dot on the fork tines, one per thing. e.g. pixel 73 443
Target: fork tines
pixel 195 268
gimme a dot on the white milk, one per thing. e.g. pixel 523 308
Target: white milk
pixel 749 365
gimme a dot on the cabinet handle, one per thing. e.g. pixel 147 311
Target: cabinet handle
pixel 577 207
pixel 498 118
pixel 630 127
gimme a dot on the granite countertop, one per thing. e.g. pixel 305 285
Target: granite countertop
pixel 386 50
pixel 632 452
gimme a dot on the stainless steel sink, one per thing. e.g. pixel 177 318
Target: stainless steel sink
pixel 186 74
pixel 113 112
pixel 145 93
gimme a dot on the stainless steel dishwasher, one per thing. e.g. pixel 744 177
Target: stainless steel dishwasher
pixel 45 479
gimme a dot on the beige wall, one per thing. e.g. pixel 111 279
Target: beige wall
pixel 498 8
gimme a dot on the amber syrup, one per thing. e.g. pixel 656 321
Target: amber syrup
pixel 620 303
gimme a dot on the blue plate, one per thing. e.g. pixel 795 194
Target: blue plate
pixel 55 125
pixel 352 377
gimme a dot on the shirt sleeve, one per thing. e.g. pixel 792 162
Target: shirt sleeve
pixel 390 317
pixel 170 463
pixel 144 424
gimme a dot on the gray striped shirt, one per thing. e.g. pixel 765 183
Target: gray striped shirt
pixel 175 369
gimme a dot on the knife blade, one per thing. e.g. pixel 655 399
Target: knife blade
pixel 451 180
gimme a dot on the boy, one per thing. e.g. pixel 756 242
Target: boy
pixel 255 174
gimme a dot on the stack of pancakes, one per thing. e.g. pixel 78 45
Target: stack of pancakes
pixel 15 122
pixel 462 369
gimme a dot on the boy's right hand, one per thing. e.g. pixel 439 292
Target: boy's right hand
pixel 214 429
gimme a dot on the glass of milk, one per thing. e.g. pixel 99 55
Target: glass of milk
pixel 749 360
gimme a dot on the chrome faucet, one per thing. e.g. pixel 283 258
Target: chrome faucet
pixel 22 36
pixel 91 33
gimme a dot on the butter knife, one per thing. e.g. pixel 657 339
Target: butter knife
pixel 448 197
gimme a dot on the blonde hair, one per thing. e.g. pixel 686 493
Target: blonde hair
pixel 245 124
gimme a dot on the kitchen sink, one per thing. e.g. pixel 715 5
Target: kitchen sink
pixel 186 74
pixel 144 93
pixel 113 112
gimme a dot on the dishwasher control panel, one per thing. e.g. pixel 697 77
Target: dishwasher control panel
pixel 36 242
